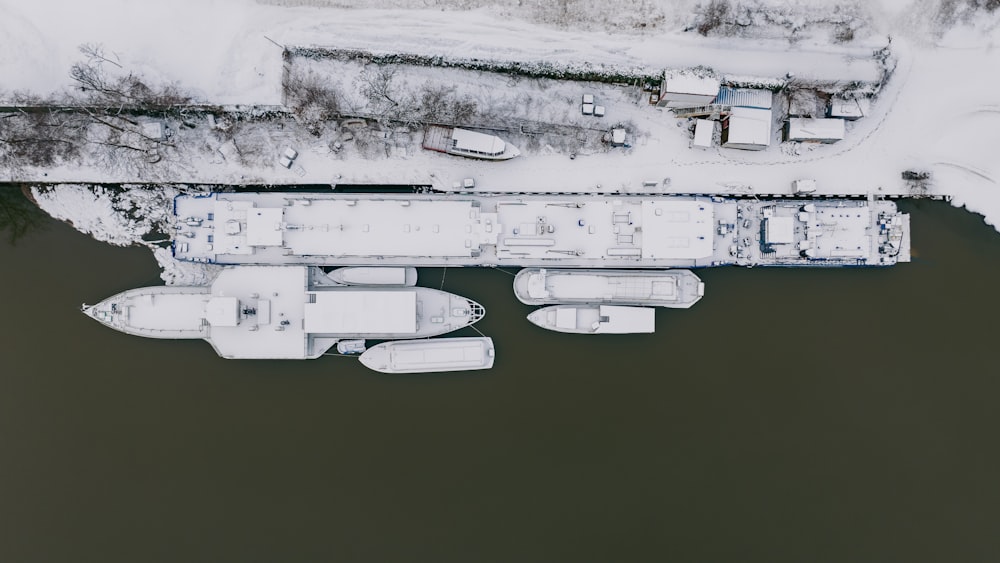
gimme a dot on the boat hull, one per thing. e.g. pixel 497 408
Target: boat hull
pixel 389 276
pixel 595 319
pixel 279 312
pixel 677 289
pixel 430 356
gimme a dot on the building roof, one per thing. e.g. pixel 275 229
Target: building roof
pixel 745 97
pixel 704 131
pixel 749 126
pixel 805 129
pixel 691 84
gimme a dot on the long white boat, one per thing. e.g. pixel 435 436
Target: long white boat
pixel 472 144
pixel 375 275
pixel 283 312
pixel 678 289
pixel 543 231
pixel 434 355
pixel 595 319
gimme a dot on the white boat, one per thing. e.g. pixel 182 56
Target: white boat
pixel 375 275
pixel 351 347
pixel 472 144
pixel 536 230
pixel 595 319
pixel 435 355
pixel 283 312
pixel 678 289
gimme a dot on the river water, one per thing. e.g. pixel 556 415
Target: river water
pixel 791 415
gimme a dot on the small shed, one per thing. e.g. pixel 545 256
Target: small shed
pixel 153 130
pixel 704 133
pixel 745 98
pixel 748 129
pixel 804 186
pixel 814 130
pixel 618 137
pixel 687 91
pixel 848 109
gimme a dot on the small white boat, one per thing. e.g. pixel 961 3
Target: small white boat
pixel 678 289
pixel 351 347
pixel 375 275
pixel 472 144
pixel 595 319
pixel 425 356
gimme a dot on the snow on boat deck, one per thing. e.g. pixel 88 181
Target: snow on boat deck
pixel 436 355
pixel 535 230
pixel 281 312
pixel 661 288
pixel 595 319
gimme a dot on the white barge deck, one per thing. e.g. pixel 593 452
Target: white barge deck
pixel 536 230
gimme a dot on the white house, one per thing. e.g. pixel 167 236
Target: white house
pixel 704 133
pixel 687 91
pixel 814 130
pixel 747 128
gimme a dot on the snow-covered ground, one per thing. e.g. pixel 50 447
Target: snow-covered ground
pixel 937 113
pixel 125 217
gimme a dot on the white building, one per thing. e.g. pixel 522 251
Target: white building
pixel 686 91
pixel 704 133
pixel 814 130
pixel 747 128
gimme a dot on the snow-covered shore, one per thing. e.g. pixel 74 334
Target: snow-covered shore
pixel 125 217
pixel 936 114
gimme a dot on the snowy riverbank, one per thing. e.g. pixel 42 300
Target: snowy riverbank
pixel 936 115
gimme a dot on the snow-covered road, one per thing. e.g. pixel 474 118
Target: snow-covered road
pixel 938 113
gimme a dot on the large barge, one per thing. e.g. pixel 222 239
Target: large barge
pixel 544 230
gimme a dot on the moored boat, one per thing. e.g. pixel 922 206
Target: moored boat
pixel 434 355
pixel 284 312
pixel 595 319
pixel 375 275
pixel 655 288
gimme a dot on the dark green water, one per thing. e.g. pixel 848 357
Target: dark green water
pixel 792 415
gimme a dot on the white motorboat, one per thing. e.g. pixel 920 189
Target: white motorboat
pixel 435 355
pixel 595 319
pixel 472 144
pixel 655 288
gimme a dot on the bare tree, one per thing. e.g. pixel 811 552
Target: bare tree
pixel 36 135
pixel 312 99
pixel 376 84
pixel 100 87
pixel 18 214
pixel 441 104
